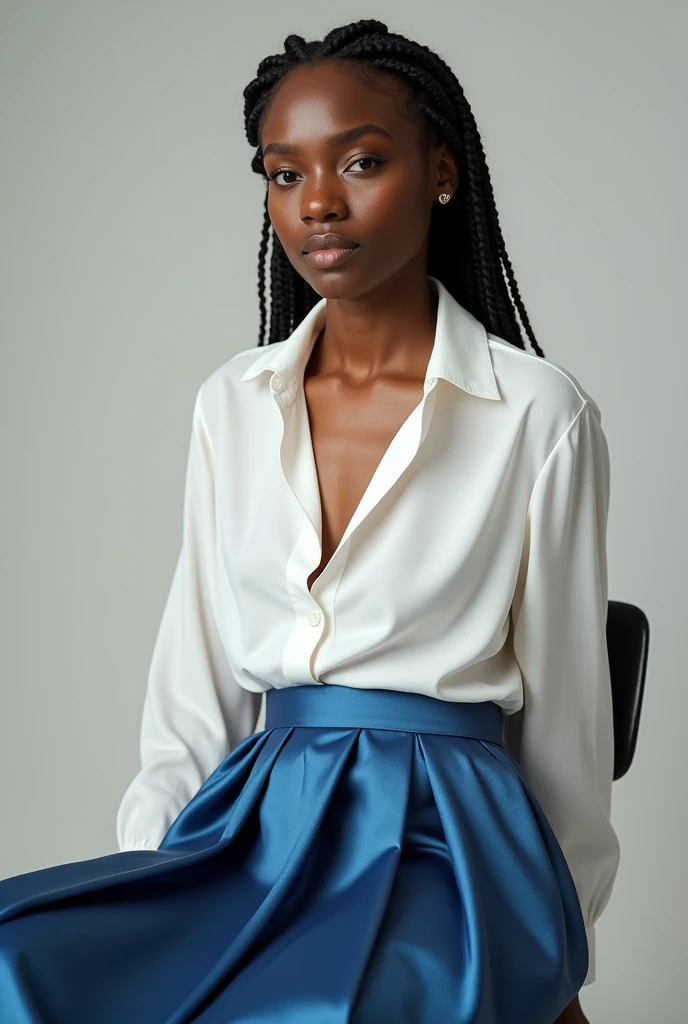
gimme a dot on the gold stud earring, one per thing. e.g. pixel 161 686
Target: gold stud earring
pixel 445 197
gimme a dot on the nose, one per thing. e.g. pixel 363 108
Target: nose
pixel 321 201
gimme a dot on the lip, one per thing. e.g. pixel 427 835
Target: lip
pixel 328 241
pixel 328 250
pixel 330 257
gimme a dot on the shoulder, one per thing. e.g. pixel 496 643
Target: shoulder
pixel 540 390
pixel 223 390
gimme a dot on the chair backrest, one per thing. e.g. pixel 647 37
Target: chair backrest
pixel 628 638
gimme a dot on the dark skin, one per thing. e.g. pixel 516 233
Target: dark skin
pixel 366 371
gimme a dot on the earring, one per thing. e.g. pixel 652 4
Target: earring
pixel 445 197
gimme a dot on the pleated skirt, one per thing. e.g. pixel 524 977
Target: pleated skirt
pixel 370 857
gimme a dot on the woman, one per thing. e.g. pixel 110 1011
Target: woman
pixel 394 526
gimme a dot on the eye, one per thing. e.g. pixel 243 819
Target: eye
pixel 275 175
pixel 370 158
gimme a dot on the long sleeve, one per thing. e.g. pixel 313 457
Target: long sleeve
pixel 559 616
pixel 194 711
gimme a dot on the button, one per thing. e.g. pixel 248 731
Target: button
pixel 276 383
pixel 314 617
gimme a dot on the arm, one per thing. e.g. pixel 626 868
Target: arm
pixel 559 618
pixel 194 711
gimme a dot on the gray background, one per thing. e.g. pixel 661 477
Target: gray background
pixel 130 230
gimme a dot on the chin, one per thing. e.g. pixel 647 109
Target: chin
pixel 331 289
pixel 333 284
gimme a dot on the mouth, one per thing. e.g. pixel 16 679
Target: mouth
pixel 328 250
pixel 330 257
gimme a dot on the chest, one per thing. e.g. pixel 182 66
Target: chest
pixel 351 428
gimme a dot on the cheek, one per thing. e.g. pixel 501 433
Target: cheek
pixel 284 212
pixel 394 212
pixel 285 219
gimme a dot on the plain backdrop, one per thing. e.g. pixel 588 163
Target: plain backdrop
pixel 130 225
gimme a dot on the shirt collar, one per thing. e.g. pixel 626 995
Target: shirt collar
pixel 460 354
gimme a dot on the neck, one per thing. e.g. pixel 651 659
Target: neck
pixel 389 331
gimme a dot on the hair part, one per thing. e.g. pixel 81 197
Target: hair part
pixel 466 249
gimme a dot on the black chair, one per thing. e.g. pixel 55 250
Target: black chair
pixel 628 638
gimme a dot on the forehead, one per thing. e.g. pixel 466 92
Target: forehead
pixel 317 101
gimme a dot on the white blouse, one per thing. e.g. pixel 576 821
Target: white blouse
pixel 474 568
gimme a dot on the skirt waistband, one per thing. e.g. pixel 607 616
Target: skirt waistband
pixel 335 706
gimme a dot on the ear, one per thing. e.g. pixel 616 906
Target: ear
pixel 446 174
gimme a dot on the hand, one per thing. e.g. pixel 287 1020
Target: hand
pixel 573 1014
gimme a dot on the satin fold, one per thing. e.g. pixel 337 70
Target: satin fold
pixel 370 857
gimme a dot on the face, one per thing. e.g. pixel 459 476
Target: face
pixel 345 159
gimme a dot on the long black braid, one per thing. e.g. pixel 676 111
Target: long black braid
pixel 466 250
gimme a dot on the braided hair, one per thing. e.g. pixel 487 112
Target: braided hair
pixel 466 250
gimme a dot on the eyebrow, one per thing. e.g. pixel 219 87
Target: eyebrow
pixel 339 139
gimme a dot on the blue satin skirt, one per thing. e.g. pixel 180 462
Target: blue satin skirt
pixel 370 857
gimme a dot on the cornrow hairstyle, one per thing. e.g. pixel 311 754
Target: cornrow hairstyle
pixel 466 250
